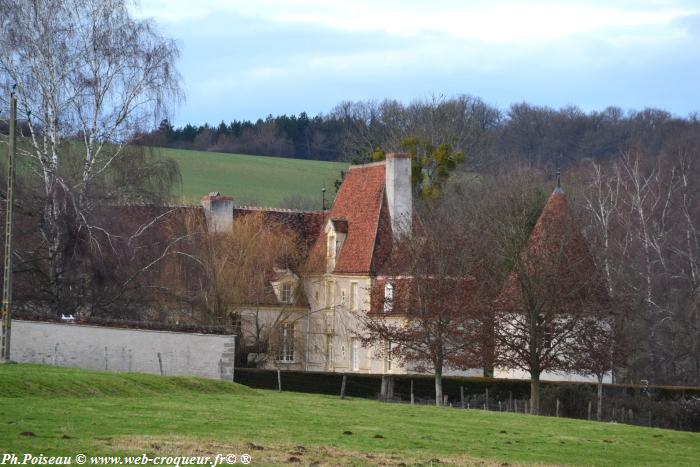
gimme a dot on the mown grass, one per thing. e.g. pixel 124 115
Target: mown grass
pixel 65 411
pixel 251 180
pixel 258 180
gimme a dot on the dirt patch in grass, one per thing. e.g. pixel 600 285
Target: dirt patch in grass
pixel 275 454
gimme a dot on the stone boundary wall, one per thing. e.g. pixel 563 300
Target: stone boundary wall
pixel 118 349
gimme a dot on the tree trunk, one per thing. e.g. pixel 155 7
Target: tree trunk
pixel 52 230
pixel 438 386
pixel 534 393
pixel 599 410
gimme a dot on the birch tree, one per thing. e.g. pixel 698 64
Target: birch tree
pixel 87 77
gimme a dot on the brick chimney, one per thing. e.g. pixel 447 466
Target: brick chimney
pixel 399 193
pixel 218 211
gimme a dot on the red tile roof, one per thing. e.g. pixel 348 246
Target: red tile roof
pixel 360 202
pixel 556 252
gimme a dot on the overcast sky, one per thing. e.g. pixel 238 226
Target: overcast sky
pixel 250 58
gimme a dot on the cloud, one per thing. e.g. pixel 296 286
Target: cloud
pixel 484 21
pixel 248 59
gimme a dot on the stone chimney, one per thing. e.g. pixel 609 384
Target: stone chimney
pixel 218 211
pixel 399 193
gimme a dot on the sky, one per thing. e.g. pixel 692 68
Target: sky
pixel 246 59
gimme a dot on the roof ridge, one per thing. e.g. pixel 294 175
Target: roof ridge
pixel 272 209
pixel 369 164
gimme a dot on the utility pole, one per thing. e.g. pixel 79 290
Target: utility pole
pixel 7 270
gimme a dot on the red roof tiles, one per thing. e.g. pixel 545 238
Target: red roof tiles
pixel 360 203
pixel 556 254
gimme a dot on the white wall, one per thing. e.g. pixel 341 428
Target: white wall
pixel 117 349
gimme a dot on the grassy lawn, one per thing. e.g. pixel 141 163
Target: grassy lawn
pixel 65 411
pixel 262 181
pixel 251 180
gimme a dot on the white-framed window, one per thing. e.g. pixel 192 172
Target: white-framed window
pixel 329 321
pixel 331 246
pixel 331 252
pixel 286 343
pixel 286 295
pixel 329 350
pixel 388 297
pixel 354 298
pixel 355 355
pixel 387 356
pixel 330 289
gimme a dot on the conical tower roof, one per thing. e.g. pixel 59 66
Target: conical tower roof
pixel 556 262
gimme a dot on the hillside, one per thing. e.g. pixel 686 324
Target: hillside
pixel 59 411
pixel 257 180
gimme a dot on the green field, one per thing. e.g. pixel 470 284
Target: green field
pixel 251 180
pixel 256 180
pixel 57 411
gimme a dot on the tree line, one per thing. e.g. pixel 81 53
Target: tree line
pixel 539 136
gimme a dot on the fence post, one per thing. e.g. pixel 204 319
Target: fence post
pixel 499 407
pixel 411 392
pixel 445 400
pixel 649 417
pixel 525 411
pixel 461 394
pixel 279 380
pixel 510 401
pixel 160 364
pixel 631 416
pixel 557 414
pixel 613 415
pixel 342 387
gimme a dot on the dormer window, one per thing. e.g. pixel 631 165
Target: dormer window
pixel 388 298
pixel 285 286
pixel 336 231
pixel 286 296
pixel 331 252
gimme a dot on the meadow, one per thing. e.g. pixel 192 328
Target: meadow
pixel 253 180
pixel 60 411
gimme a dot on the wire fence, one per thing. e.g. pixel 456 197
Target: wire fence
pixel 663 407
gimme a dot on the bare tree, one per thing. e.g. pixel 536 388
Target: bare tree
pixel 600 350
pixel 551 297
pixel 427 309
pixel 87 77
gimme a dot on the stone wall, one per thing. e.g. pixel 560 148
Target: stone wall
pixel 117 349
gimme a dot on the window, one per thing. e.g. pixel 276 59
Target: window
pixel 387 355
pixel 388 298
pixel 329 321
pixel 342 296
pixel 355 356
pixel 331 246
pixel 329 351
pixel 286 344
pixel 354 299
pixel 287 292
pixel 329 294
